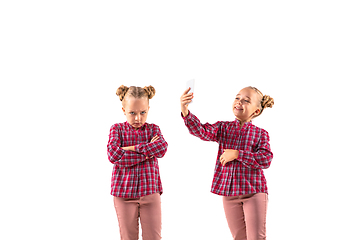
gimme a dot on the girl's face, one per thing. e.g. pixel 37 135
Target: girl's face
pixel 246 104
pixel 136 111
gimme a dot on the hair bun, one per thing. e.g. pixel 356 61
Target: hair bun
pixel 121 92
pixel 267 102
pixel 150 90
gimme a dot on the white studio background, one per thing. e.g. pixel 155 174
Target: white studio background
pixel 62 61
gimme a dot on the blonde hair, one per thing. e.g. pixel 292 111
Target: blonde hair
pixel 265 101
pixel 136 92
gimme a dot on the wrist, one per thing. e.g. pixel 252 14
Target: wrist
pixel 129 148
pixel 185 113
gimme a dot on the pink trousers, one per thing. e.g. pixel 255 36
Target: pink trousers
pixel 147 208
pixel 246 216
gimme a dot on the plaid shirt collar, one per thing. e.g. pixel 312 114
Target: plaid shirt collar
pixel 246 124
pixel 143 127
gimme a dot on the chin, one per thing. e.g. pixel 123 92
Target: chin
pixel 237 116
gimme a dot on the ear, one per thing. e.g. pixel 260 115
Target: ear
pixel 123 110
pixel 257 112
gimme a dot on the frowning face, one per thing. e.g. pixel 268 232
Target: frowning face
pixel 136 111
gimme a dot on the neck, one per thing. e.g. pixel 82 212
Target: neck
pixel 242 121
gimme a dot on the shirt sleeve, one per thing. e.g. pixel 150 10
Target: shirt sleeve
pixel 206 132
pixel 262 156
pixel 154 149
pixel 119 156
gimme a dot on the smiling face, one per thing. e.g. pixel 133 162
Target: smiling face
pixel 246 104
pixel 136 110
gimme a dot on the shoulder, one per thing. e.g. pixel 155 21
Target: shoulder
pixel 225 124
pixel 118 126
pixel 152 126
pixel 260 132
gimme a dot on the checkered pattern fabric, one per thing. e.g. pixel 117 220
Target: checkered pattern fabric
pixel 135 174
pixel 245 174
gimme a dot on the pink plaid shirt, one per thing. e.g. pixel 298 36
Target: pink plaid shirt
pixel 135 174
pixel 245 174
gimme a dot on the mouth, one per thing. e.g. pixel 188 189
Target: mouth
pixel 136 125
pixel 238 108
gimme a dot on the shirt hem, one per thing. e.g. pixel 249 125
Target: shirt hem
pixel 234 195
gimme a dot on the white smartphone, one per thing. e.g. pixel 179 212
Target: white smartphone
pixel 191 84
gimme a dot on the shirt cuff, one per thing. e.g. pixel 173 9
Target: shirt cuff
pixel 137 148
pixel 186 116
pixel 240 156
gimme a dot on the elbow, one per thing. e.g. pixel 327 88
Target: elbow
pixel 112 155
pixel 162 152
pixel 266 164
pixel 111 159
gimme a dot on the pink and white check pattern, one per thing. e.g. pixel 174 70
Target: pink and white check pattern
pixel 245 174
pixel 135 174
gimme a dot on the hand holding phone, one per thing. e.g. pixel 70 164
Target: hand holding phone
pixel 187 97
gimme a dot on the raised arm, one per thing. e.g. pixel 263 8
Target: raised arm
pixel 185 100
pixel 206 132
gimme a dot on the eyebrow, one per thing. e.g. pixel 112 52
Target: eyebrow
pixel 136 111
pixel 245 96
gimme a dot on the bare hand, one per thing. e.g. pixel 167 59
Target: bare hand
pixel 185 99
pixel 228 156
pixel 129 148
pixel 154 138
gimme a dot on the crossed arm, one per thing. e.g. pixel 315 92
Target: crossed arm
pixel 132 155
pixel 132 148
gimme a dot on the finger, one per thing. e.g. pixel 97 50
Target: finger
pixel 154 138
pixel 186 101
pixel 186 91
pixel 187 97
